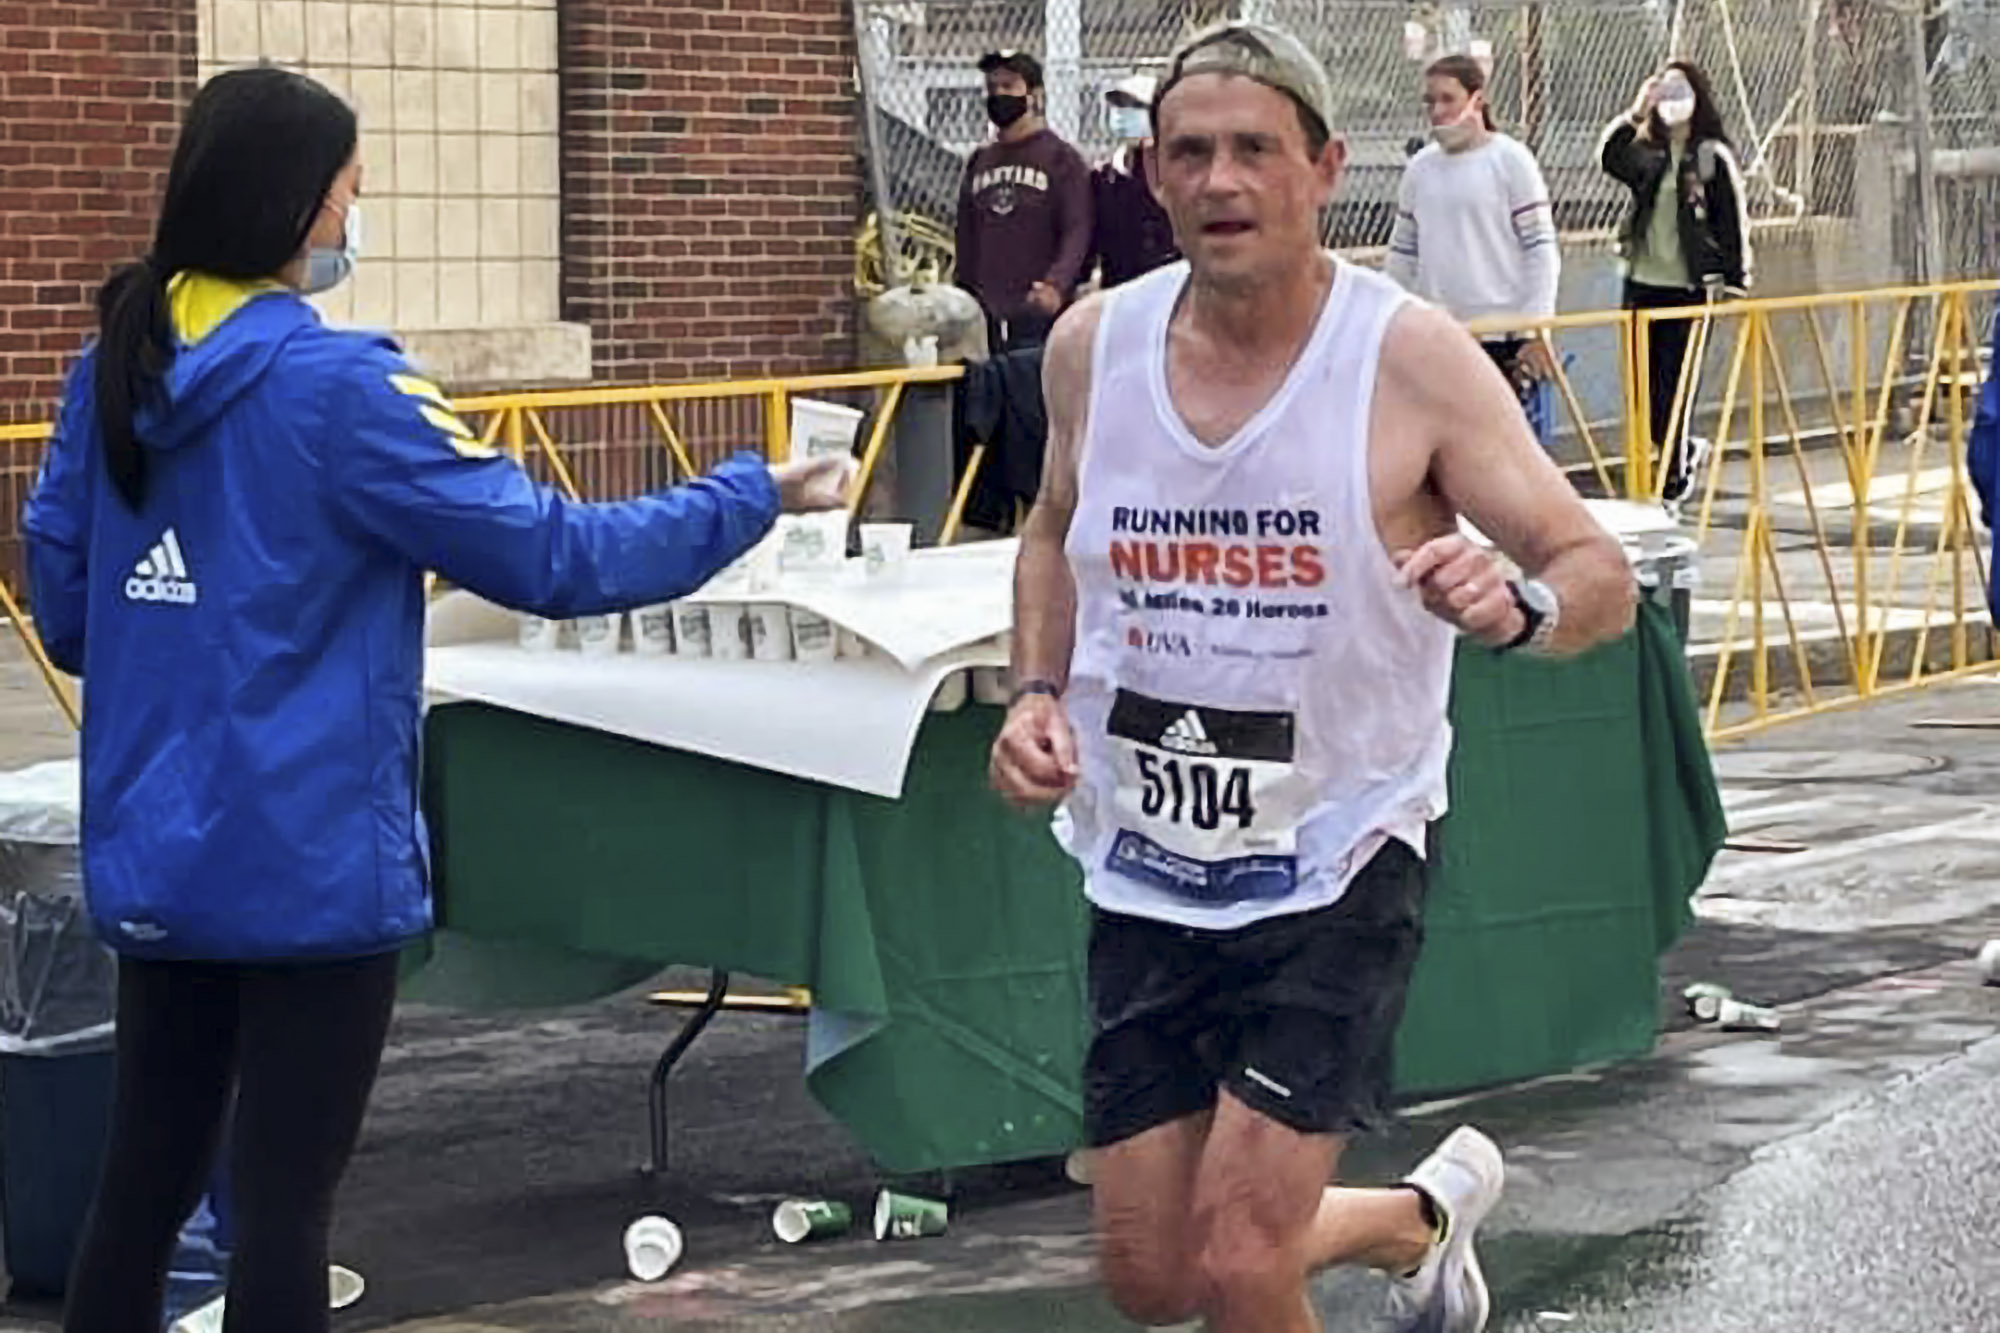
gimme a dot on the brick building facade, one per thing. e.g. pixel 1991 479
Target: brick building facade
pixel 611 190
pixel 90 98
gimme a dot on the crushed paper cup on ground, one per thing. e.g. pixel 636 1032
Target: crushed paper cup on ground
pixel 653 1245
pixel 907 1217
pixel 800 1220
pixel 344 1288
pixel 1735 1016
pixel 1989 963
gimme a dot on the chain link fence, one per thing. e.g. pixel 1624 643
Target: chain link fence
pixel 1822 97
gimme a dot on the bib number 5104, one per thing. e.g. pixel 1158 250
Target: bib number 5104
pixel 1188 791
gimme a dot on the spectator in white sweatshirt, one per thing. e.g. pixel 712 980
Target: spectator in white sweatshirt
pixel 1474 231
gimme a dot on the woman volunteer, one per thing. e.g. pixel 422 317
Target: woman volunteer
pixel 228 542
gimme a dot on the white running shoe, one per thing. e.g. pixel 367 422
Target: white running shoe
pixel 1463 1178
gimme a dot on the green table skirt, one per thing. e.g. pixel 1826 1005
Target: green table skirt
pixel 942 935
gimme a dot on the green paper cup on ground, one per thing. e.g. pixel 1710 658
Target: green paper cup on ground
pixel 907 1217
pixel 800 1220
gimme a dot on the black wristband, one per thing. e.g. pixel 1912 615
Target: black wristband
pixel 1036 686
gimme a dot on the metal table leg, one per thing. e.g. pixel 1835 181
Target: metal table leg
pixel 718 991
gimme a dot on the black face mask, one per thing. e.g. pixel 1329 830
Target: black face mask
pixel 1003 109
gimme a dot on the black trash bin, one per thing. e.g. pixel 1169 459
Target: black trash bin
pixel 58 987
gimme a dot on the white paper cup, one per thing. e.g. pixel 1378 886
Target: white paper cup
pixel 885 547
pixel 951 693
pixel 538 635
pixel 813 542
pixel 597 636
pixel 653 630
pixel 1989 963
pixel 344 1287
pixel 653 1246
pixel 848 644
pixel 691 630
pixel 770 632
pixel 728 631
pixel 813 639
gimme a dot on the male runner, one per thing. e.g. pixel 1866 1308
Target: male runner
pixel 1235 611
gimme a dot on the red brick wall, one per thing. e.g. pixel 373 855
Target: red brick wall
pixel 710 185
pixel 91 93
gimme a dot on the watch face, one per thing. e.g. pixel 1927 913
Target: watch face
pixel 1540 596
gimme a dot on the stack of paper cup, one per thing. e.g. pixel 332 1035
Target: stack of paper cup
pixel 691 630
pixel 728 630
pixel 770 625
pixel 813 639
pixel 539 635
pixel 653 630
pixel 597 636
pixel 653 1245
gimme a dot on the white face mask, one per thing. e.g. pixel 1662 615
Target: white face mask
pixel 1677 112
pixel 1130 123
pixel 1453 135
pixel 327 268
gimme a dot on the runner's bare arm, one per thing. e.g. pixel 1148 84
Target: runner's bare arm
pixel 1457 411
pixel 1044 592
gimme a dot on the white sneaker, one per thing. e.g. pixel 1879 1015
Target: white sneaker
pixel 1463 1178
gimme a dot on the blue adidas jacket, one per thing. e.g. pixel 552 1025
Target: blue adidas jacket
pixel 251 641
pixel 1982 454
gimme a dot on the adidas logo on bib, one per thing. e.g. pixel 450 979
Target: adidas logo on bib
pixel 163 575
pixel 1187 735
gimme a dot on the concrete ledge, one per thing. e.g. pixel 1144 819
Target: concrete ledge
pixel 522 356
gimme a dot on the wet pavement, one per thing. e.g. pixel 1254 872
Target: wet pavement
pixel 1825 1178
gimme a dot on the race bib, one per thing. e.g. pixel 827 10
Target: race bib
pixel 1206 809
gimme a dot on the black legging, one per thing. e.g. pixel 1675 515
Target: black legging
pixel 300 1044
pixel 1666 345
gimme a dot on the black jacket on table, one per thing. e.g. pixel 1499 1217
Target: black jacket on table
pixel 1714 214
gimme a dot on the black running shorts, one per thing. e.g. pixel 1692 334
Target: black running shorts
pixel 1295 1015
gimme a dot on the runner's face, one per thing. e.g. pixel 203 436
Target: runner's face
pixel 1238 178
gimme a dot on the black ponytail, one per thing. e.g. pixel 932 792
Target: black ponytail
pixel 259 151
pixel 135 347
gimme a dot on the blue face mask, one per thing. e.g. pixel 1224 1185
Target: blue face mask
pixel 327 268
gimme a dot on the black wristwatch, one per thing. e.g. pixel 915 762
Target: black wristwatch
pixel 1035 686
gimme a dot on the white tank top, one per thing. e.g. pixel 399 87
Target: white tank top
pixel 1257 705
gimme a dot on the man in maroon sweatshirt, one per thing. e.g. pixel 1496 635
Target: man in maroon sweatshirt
pixel 1024 210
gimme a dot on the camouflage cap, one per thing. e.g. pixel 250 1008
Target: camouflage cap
pixel 1260 51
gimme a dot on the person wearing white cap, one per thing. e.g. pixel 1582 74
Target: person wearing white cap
pixel 1237 604
pixel 1132 234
